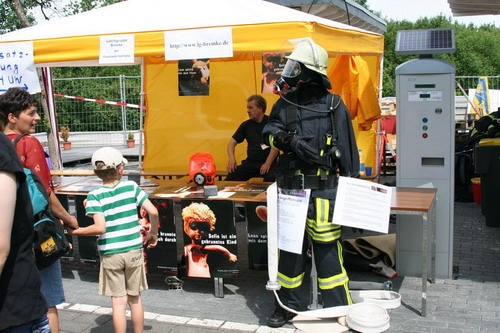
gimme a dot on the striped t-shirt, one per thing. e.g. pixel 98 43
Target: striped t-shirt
pixel 119 206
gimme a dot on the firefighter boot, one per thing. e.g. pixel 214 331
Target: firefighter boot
pixel 280 317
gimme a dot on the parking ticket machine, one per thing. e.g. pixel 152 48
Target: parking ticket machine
pixel 425 121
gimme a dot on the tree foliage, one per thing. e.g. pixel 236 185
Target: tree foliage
pixel 39 10
pixel 477 48
pixel 80 6
pixel 9 20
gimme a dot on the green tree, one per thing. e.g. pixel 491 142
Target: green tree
pixel 477 49
pixel 9 19
pixel 362 3
pixel 80 6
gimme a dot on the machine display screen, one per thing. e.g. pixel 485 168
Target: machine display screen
pixel 425 96
pixel 424 86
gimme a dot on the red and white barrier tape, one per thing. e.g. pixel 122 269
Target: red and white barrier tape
pixel 102 101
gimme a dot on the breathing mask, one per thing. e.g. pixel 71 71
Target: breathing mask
pixel 308 54
pixel 289 77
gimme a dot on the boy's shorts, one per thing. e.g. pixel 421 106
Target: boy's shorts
pixel 122 274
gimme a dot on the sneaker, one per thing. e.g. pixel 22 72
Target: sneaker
pixel 279 318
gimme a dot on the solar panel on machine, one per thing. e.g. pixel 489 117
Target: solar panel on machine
pixel 429 41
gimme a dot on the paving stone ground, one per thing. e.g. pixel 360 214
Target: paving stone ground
pixel 468 303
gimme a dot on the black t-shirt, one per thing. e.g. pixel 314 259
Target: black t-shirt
pixel 20 298
pixel 252 132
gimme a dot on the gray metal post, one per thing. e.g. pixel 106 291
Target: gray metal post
pixel 123 108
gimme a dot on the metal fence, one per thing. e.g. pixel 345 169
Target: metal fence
pixel 465 83
pixel 464 96
pixel 92 106
pixel 470 82
pixel 88 106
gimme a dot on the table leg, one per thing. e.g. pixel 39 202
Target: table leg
pixel 219 287
pixel 313 305
pixel 425 243
pixel 433 254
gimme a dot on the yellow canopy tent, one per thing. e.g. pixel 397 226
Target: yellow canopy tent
pixel 177 126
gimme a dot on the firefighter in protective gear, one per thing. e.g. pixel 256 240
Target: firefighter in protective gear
pixel 313 130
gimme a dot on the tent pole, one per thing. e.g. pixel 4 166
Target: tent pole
pixel 49 110
pixel 141 113
pixel 378 132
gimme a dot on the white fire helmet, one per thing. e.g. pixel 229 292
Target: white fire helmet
pixel 311 55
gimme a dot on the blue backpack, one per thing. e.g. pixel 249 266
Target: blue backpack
pixel 38 195
pixel 49 242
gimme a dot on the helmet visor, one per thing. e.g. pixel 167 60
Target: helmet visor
pixel 292 69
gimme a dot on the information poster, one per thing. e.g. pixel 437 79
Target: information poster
pixel 17 67
pixel 363 204
pixel 117 49
pixel 161 259
pixel 272 67
pixel 87 245
pixel 210 244
pixel 292 213
pixel 257 234
pixel 63 199
pixel 194 77
pixel 199 43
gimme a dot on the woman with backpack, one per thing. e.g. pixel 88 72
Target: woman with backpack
pixel 22 306
pixel 18 111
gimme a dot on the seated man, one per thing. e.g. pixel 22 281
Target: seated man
pixel 260 157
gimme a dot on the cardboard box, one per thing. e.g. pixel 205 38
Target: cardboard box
pixel 388 106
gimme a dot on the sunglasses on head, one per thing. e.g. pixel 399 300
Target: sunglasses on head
pixel 201 226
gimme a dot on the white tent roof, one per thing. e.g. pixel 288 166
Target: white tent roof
pixel 257 26
pixel 345 11
pixel 160 15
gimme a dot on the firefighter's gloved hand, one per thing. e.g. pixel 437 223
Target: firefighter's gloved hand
pixel 283 140
pixel 305 151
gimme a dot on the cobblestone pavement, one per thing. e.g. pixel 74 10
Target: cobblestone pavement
pixel 469 303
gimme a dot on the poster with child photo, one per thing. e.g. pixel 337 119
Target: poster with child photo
pixel 210 244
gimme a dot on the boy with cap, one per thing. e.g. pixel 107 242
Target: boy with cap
pixel 113 208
